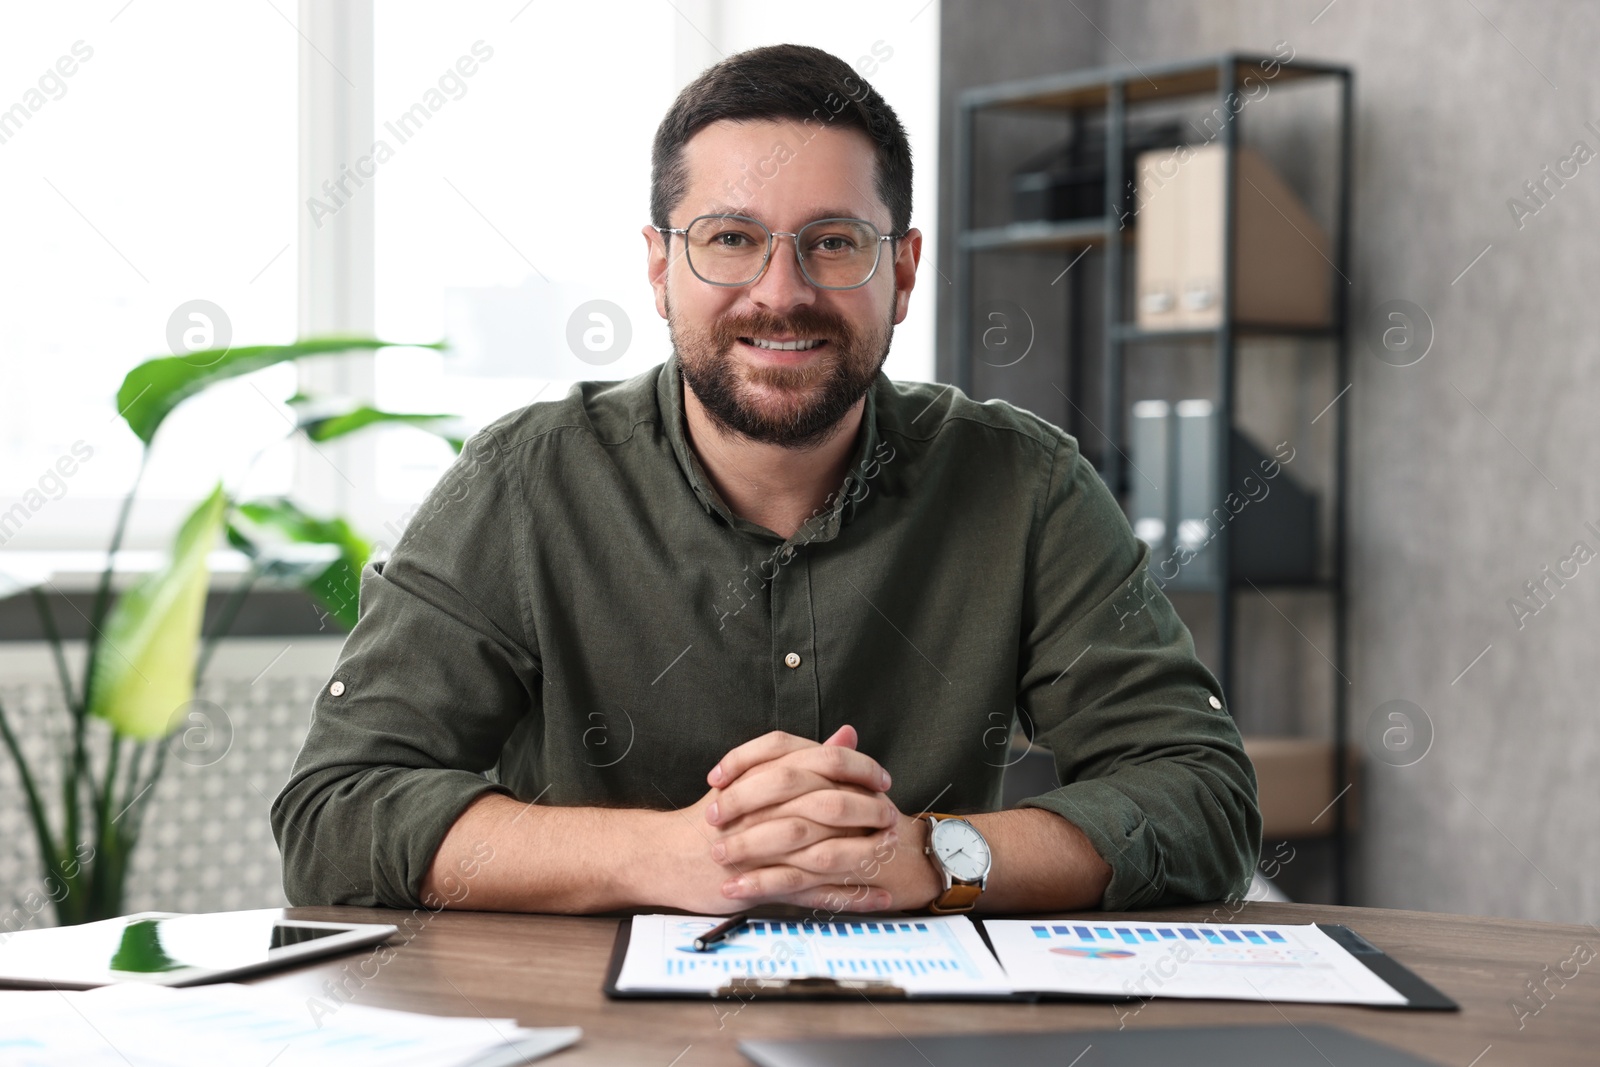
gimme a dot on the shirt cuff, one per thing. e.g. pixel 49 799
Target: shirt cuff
pixel 410 820
pixel 1120 832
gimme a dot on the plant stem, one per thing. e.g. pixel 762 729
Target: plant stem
pixel 47 620
pixel 128 794
pixel 102 876
pixel 41 828
pixel 79 769
pixel 135 808
pixel 102 595
pixel 70 781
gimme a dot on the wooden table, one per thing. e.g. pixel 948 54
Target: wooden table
pixel 546 970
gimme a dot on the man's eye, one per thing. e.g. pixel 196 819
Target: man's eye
pixel 731 239
pixel 834 243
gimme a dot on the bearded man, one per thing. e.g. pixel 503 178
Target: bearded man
pixel 753 627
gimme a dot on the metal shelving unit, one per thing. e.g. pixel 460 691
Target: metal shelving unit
pixel 1112 92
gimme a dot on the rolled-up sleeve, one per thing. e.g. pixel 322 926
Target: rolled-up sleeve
pixel 438 671
pixel 1152 767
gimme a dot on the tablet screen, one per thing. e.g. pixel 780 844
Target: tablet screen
pixel 161 947
pixel 214 942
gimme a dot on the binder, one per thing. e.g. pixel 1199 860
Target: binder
pixel 1198 489
pixel 1149 504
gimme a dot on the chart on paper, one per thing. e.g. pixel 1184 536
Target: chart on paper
pixel 1204 960
pixel 923 955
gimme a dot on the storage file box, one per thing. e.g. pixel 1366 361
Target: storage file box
pixel 1282 266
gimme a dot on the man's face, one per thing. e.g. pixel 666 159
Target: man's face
pixel 785 175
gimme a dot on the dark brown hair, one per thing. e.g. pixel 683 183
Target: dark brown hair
pixel 782 81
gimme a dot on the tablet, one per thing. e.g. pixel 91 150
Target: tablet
pixel 164 948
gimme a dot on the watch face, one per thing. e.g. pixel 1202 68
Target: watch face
pixel 962 850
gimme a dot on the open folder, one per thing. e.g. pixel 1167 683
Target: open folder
pixel 951 957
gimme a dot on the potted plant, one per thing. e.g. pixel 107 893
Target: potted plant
pixel 145 650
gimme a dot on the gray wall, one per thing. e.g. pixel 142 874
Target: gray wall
pixel 1471 469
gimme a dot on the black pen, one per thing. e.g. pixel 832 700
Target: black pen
pixel 718 932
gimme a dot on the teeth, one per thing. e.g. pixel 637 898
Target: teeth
pixel 785 346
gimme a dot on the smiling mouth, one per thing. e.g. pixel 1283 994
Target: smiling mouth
pixel 798 345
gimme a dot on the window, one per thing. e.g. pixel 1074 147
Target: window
pixel 148 155
pixel 518 199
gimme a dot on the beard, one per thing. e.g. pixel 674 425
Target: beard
pixel 793 407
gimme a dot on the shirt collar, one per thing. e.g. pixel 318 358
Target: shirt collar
pixel 822 526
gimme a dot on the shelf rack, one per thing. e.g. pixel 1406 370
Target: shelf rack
pixel 1112 91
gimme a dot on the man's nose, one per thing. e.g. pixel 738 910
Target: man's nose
pixel 782 285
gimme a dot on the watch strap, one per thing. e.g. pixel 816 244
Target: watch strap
pixel 961 896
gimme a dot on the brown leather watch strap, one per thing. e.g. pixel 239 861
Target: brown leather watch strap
pixel 958 897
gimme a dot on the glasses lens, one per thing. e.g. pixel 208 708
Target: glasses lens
pixel 726 248
pixel 839 253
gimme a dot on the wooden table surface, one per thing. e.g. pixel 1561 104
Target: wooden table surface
pixel 546 970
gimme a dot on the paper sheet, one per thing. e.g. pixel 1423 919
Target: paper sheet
pixel 935 954
pixel 1195 960
pixel 202 1026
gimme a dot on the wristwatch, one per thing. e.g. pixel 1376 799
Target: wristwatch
pixel 961 856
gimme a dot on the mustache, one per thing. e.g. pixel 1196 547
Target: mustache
pixel 806 322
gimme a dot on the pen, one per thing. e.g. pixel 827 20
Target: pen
pixel 718 932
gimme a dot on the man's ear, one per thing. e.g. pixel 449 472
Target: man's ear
pixel 908 253
pixel 656 266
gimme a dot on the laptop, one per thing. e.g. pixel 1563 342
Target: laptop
pixel 1192 1046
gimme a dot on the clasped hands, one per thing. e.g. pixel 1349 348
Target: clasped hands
pixel 788 820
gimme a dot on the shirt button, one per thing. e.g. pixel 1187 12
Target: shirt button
pixel 1215 703
pixel 792 660
pixel 336 689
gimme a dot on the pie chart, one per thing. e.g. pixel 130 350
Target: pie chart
pixel 1095 953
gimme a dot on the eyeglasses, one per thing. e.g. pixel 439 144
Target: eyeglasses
pixel 733 250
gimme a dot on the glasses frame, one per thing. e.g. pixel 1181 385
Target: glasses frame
pixel 772 237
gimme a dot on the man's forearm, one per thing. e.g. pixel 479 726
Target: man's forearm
pixel 505 855
pixel 1041 862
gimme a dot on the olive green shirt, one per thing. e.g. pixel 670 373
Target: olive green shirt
pixel 574 617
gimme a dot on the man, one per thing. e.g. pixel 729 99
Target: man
pixel 752 627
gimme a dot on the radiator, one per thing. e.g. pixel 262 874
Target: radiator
pixel 206 844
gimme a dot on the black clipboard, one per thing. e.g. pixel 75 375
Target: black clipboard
pixel 1420 995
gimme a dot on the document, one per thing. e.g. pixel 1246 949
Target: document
pixel 137 1025
pixel 1196 960
pixel 932 955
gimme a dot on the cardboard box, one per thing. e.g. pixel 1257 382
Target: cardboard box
pixel 1296 784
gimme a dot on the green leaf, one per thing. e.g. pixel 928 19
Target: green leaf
pixel 153 388
pixel 335 585
pixel 326 427
pixel 145 672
